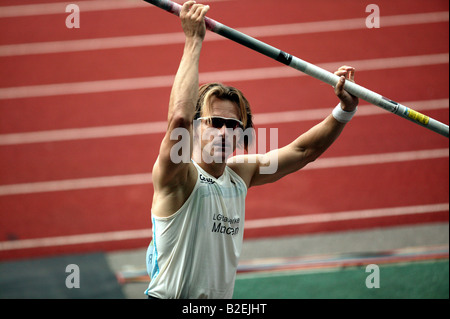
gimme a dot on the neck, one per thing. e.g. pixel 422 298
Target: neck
pixel 213 168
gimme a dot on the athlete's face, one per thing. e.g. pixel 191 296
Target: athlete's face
pixel 216 141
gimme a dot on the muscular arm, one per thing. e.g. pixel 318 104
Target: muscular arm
pixel 310 145
pixel 172 170
pixel 183 98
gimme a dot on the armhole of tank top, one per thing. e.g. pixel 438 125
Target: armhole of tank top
pixel 236 175
pixel 197 183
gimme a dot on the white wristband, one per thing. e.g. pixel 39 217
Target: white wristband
pixel 342 116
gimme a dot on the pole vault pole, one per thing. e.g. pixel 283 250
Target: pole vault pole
pixel 312 70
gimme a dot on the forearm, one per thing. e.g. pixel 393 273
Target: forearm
pixel 184 92
pixel 310 145
pixel 318 139
pixel 185 87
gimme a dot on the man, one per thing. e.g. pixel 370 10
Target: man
pixel 199 197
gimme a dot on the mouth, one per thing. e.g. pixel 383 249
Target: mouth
pixel 222 147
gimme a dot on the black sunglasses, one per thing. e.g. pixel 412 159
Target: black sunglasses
pixel 219 122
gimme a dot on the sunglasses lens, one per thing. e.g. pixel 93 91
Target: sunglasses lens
pixel 218 122
pixel 232 124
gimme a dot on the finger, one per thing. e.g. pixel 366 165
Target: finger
pixel 186 8
pixel 352 75
pixel 341 93
pixel 205 9
pixel 196 10
pixel 345 67
pixel 340 72
pixel 200 13
pixel 350 72
pixel 339 90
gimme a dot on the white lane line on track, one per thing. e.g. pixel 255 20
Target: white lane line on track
pixel 178 37
pixel 85 6
pixel 375 159
pixel 350 215
pixel 249 224
pixel 38 9
pixel 75 184
pixel 161 127
pixel 146 178
pixel 83 133
pixel 75 239
pixel 152 82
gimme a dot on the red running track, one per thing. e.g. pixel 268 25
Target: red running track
pixel 393 172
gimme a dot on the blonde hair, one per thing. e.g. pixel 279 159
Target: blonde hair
pixel 223 92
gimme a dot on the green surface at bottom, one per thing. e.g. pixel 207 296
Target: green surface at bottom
pixel 416 280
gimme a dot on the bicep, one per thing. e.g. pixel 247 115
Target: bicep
pixel 278 163
pixel 174 154
pixel 260 169
pixel 293 157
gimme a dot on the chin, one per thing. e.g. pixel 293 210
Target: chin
pixel 220 155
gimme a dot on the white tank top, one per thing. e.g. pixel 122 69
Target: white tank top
pixel 195 252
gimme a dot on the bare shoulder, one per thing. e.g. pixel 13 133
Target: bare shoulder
pixel 245 166
pixel 168 197
pixel 257 169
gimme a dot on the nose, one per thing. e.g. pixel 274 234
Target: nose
pixel 222 130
